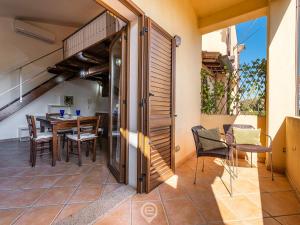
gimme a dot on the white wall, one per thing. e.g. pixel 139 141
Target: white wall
pixel 86 98
pixel 215 41
pixel 17 49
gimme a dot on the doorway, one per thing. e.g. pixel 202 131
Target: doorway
pixel 112 80
pixel 104 62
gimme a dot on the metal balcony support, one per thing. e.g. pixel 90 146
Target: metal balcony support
pixel 21 84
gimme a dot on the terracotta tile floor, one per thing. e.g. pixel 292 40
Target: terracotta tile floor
pixel 45 194
pixel 256 200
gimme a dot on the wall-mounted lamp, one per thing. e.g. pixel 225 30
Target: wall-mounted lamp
pixel 177 40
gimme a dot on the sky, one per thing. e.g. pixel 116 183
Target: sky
pixel 253 34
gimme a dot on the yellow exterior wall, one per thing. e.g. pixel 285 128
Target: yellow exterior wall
pixel 178 18
pixel 281 74
pixel 293 151
pixel 217 121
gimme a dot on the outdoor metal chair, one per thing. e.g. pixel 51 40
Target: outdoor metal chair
pixel 228 129
pixel 222 153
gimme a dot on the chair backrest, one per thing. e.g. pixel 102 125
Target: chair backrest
pixel 229 131
pixel 103 123
pixel 89 121
pixel 195 130
pixel 31 126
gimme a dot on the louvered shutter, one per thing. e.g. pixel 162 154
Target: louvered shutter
pixel 159 144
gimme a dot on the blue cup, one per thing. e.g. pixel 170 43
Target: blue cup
pixel 78 112
pixel 62 112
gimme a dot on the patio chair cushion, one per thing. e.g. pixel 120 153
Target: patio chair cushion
pixel 83 137
pixel 246 136
pixel 213 134
pixel 222 153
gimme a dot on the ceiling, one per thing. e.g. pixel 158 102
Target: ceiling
pixel 217 14
pixel 62 12
pixel 205 8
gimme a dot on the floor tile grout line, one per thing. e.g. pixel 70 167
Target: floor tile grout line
pixel 291 214
pixel 34 202
pixel 163 206
pixel 194 204
pixel 46 190
pixel 70 197
pixel 67 202
pixel 102 184
pixel 62 208
pixel 130 211
pixel 221 197
pixel 76 188
pixel 18 217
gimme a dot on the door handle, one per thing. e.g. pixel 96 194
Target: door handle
pixel 151 94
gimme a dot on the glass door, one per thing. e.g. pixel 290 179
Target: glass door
pixel 116 162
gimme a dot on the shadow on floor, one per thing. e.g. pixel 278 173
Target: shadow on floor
pixel 256 200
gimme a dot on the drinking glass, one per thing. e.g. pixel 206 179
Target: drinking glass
pixel 62 112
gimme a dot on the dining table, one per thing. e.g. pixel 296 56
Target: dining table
pixel 56 123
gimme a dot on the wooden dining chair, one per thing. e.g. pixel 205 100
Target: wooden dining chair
pixel 63 133
pixel 103 127
pixel 84 136
pixel 38 141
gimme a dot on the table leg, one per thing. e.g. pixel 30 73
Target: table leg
pixel 42 126
pixel 58 147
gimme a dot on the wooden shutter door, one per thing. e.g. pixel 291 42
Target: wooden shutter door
pixel 159 96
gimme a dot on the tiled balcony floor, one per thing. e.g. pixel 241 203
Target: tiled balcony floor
pixel 45 194
pixel 256 200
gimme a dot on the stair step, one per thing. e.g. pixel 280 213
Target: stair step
pixel 99 208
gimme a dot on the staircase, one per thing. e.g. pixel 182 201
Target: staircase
pixel 33 79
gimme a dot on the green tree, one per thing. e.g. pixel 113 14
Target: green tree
pixel 244 90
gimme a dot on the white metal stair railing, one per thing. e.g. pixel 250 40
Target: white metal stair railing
pixel 25 82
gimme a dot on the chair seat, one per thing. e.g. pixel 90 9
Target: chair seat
pixel 252 148
pixel 44 135
pixel 220 153
pixel 83 137
pixel 100 130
